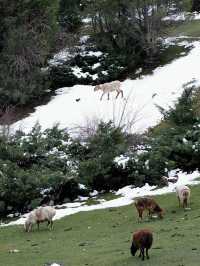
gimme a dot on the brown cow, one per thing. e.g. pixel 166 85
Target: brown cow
pixel 142 240
pixel 149 204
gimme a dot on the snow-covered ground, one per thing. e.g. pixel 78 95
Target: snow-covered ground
pixel 182 16
pixel 76 106
pixel 127 195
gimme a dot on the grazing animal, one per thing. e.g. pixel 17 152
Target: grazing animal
pixel 108 87
pixel 173 179
pixel 165 180
pixel 183 194
pixel 40 215
pixel 142 240
pixel 149 204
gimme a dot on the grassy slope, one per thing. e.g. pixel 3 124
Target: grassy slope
pixel 191 29
pixel 103 238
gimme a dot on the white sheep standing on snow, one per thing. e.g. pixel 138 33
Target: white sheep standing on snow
pixel 108 87
pixel 39 215
pixel 183 194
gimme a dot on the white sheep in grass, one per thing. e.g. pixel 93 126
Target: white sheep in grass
pixel 40 215
pixel 108 87
pixel 183 194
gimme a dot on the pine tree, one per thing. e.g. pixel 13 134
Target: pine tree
pixel 26 35
pixel 196 5
pixel 69 14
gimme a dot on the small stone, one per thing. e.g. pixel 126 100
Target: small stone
pixel 68 229
pixel 13 251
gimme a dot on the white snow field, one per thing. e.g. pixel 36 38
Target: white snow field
pixel 127 195
pixel 78 105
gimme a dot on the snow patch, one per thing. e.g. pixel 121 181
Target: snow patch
pixel 166 83
pixel 182 16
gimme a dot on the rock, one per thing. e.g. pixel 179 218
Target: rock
pixel 13 251
pixel 53 264
pixel 82 244
pixel 112 210
pixel 68 229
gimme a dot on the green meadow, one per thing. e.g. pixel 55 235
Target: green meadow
pixel 103 237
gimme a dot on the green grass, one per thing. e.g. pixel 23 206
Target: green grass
pixel 103 238
pixel 188 28
pixel 97 200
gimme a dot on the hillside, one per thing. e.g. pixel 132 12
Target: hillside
pixel 102 238
pixel 138 108
pixel 90 158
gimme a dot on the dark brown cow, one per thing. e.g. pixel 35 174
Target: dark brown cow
pixel 142 240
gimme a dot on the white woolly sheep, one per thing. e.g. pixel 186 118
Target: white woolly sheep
pixel 108 87
pixel 40 215
pixel 183 194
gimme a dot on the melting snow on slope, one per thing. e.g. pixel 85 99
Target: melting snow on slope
pixel 127 194
pixel 142 95
pixel 182 16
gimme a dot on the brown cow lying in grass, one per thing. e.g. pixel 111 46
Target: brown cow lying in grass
pixel 142 240
pixel 149 204
pixel 183 194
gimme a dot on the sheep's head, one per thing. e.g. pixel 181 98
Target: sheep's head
pixel 97 87
pixel 133 249
pixel 161 214
pixel 27 226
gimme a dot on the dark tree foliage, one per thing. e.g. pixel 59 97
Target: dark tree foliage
pixel 26 35
pixel 128 27
pixel 70 14
pixel 196 5
pixel 30 164
pixel 97 167
pixel 176 139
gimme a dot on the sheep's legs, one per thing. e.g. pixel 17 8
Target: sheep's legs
pixel 29 228
pixel 147 253
pixel 118 92
pixel 38 225
pixel 140 212
pixel 150 214
pixel 185 203
pixel 50 225
pixel 108 96
pixel 142 253
pixel 102 96
pixel 179 202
